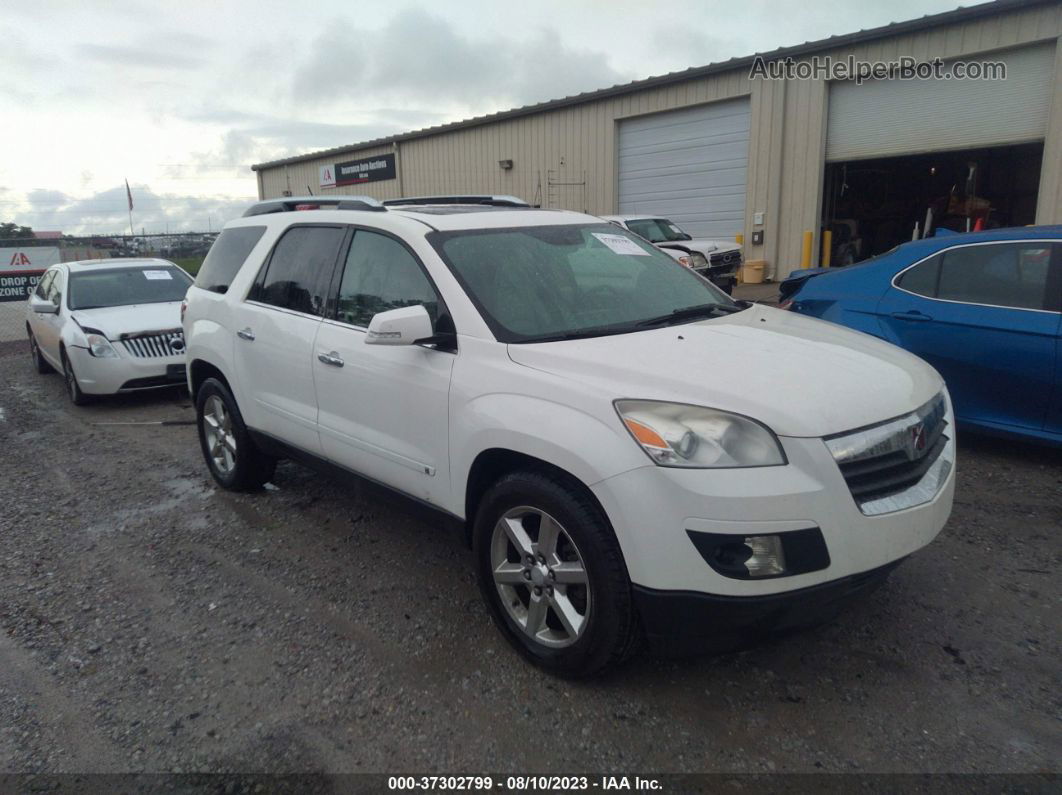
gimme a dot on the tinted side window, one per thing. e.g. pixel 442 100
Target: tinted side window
pixel 381 274
pixel 55 289
pixel 922 278
pixel 1001 274
pixel 226 256
pixel 300 269
pixel 43 284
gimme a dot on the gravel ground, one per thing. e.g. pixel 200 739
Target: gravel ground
pixel 150 622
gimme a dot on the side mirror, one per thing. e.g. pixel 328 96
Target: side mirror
pixel 42 307
pixel 405 326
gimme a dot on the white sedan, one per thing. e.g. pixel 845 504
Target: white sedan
pixel 109 325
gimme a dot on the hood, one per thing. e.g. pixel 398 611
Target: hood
pixel 798 375
pixel 114 321
pixel 704 246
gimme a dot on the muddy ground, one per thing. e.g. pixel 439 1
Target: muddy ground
pixel 150 622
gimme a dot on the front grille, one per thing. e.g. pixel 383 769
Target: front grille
pixel 887 460
pixel 727 259
pixel 151 346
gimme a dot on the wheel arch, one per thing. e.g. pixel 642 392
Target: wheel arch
pixel 199 370
pixel 494 463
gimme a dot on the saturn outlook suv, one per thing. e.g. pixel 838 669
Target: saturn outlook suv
pixel 633 455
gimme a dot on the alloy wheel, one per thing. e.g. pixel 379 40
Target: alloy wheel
pixel 540 577
pixel 220 439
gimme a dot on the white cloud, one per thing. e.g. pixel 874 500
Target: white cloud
pixel 106 211
pixel 181 99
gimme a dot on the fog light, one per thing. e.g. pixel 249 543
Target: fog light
pixel 760 556
pixel 767 558
pixel 753 556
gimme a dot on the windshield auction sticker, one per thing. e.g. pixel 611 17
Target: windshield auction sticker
pixel 621 244
pixel 157 275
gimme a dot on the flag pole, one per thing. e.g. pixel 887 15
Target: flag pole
pixel 129 196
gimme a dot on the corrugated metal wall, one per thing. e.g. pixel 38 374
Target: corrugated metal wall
pixel 566 157
pixel 888 117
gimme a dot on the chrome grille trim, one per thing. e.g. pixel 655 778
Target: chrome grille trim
pixel 154 346
pixel 898 464
pixel 730 258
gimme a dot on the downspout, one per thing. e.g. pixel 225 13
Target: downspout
pixel 774 186
pixel 398 168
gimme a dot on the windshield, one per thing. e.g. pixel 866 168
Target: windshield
pixel 534 284
pixel 150 284
pixel 657 230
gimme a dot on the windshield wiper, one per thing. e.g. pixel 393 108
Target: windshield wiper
pixel 581 334
pixel 690 312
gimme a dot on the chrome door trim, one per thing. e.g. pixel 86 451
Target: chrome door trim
pixel 893 283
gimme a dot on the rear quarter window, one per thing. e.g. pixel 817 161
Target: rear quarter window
pixel 922 278
pixel 226 256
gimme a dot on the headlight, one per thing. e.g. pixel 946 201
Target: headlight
pixel 679 435
pixel 697 260
pixel 684 261
pixel 99 347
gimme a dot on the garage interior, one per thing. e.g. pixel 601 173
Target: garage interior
pixel 872 205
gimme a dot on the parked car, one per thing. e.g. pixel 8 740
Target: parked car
pixel 109 326
pixel 717 260
pixel 628 449
pixel 984 308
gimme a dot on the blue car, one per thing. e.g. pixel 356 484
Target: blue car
pixel 984 308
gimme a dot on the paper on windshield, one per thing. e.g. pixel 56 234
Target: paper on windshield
pixel 621 244
pixel 157 275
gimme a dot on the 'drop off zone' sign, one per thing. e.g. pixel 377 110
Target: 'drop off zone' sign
pixel 21 269
pixel 17 286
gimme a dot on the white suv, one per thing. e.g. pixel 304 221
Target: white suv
pixel 632 453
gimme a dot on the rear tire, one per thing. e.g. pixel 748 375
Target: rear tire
pixel 553 575
pixel 232 457
pixel 73 389
pixel 39 362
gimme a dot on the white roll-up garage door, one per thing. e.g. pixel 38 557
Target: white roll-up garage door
pixel 688 165
pixel 882 118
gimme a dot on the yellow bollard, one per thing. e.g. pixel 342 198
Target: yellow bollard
pixel 805 254
pixel 739 239
pixel 827 247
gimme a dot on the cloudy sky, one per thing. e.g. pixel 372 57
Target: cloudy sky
pixel 181 98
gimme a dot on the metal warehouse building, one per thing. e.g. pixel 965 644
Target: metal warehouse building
pixel 723 152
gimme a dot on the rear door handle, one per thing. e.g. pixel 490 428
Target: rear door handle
pixel 331 358
pixel 914 314
pixel 246 334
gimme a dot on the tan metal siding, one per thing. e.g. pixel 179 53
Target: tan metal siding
pixel 786 148
pixel 1049 204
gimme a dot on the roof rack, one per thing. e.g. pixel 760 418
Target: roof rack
pixel 292 203
pixel 491 200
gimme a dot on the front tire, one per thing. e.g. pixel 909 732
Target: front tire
pixel 40 364
pixel 553 575
pixel 73 389
pixel 233 458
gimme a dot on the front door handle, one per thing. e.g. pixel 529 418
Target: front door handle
pixel 331 358
pixel 914 314
pixel 246 333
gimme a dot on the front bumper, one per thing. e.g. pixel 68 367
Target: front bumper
pixel 654 510
pixel 724 277
pixel 684 622
pixel 98 376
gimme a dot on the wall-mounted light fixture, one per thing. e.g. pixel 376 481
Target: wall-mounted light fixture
pixel 506 164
